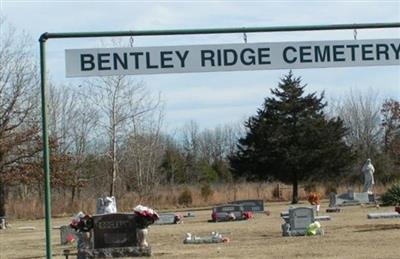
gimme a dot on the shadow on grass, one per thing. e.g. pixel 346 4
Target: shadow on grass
pixel 378 227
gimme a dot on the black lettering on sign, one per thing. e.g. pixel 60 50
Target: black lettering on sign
pixel 183 57
pixel 123 62
pixel 165 56
pixel 305 54
pixel 247 59
pixel 103 59
pixel 338 53
pixel 352 50
pixel 324 56
pixel 207 55
pixel 136 56
pixel 285 55
pixel 87 62
pixel 219 62
pixel 148 65
pixel 263 55
pixel 382 49
pixel 396 50
pixel 232 53
pixel 366 49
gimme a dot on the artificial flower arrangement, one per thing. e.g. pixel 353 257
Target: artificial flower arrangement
pixel 145 216
pixel 314 198
pixel 82 222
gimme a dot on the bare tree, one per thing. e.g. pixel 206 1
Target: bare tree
pixel 18 103
pixel 143 152
pixel 71 122
pixel 119 100
pixel 361 115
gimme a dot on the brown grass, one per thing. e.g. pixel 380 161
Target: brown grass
pixel 165 197
pixel 348 235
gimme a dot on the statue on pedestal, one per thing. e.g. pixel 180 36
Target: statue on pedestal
pixel 368 171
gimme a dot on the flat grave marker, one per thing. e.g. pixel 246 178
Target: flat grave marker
pixel 383 215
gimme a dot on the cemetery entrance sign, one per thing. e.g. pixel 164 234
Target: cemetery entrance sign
pixel 231 57
pixel 212 58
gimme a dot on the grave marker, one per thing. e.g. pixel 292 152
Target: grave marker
pixel 300 218
pixel 298 221
pixel 383 215
pixel 167 218
pixel 67 234
pixel 114 230
pixel 250 205
pixel 227 212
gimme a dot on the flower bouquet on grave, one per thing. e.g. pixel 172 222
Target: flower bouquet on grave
pixel 247 215
pixel 178 218
pixel 314 198
pixel 314 229
pixel 145 216
pixel 82 222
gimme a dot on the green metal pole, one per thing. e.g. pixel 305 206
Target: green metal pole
pixel 46 161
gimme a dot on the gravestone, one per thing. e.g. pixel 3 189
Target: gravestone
pixel 332 200
pixel 167 218
pixel 332 203
pixel 298 221
pixel 114 235
pixel 3 223
pixel 227 212
pixel 67 234
pixel 355 198
pixel 251 205
pixel 362 197
pixel 114 230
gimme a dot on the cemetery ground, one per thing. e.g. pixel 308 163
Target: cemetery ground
pixel 348 235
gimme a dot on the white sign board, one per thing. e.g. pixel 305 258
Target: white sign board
pixel 231 57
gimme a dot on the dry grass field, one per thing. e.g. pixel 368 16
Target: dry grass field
pixel 348 235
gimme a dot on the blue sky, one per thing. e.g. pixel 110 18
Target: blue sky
pixel 213 99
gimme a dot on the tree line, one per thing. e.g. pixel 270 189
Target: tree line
pixel 106 136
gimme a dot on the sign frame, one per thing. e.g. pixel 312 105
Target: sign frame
pixel 68 35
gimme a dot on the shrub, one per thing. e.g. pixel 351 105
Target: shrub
pixel 392 196
pixel 206 192
pixel 185 198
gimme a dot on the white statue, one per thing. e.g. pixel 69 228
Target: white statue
pixel 368 171
pixel 106 205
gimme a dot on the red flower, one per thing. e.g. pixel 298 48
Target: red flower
pixel 314 198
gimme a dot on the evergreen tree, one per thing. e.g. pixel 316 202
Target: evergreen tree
pixel 291 139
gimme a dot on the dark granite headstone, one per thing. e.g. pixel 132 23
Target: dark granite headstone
pixel 114 230
pixel 332 200
pixel 228 212
pixel 251 205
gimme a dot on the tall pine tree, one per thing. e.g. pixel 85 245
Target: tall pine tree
pixel 290 139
